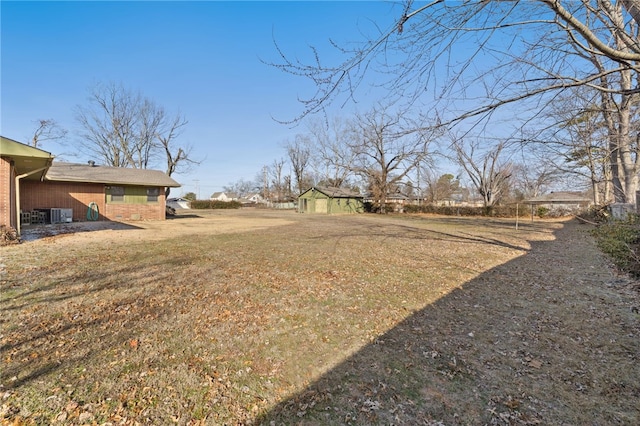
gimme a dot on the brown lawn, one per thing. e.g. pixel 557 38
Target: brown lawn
pixel 252 316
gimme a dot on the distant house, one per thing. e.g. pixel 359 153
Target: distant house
pixel 224 196
pixel 329 200
pixel 460 198
pixel 562 200
pixel 397 200
pixel 394 201
pixel 30 181
pixel 256 197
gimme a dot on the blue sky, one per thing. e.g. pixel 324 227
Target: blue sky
pixel 200 59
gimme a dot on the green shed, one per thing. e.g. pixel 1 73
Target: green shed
pixel 330 200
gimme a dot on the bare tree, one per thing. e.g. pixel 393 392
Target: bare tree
pixel 535 49
pixel 384 154
pixel 427 183
pixel 47 130
pixel 124 129
pixel 485 167
pixel 177 157
pixel 110 124
pixel 277 178
pixel 242 187
pixel 330 153
pixel 578 142
pixel 299 152
pixel 619 113
pixel 533 179
pixel 441 187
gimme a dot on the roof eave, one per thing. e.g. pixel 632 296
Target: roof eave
pixel 106 182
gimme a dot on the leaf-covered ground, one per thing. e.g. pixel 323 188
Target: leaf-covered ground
pixel 252 317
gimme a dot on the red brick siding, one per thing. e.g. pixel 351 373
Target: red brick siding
pixel 8 215
pixel 75 196
pixel 78 196
pixel 136 211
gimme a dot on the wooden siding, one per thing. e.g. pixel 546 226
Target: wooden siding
pixel 133 195
pixel 318 202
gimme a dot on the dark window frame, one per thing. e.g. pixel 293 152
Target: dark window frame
pixel 153 194
pixel 117 194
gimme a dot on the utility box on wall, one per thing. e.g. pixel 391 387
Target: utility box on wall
pixel 621 211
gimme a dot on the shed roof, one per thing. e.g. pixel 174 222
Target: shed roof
pixel 334 192
pixel 561 197
pixel 72 172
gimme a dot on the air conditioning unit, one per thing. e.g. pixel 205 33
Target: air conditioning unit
pixel 55 215
pixel 67 215
pixel 61 215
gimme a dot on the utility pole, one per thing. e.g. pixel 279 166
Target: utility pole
pixel 419 190
pixel 197 188
pixel 265 187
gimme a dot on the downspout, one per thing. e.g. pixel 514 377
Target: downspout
pixel 19 221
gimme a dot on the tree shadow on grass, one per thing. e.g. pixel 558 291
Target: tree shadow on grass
pixel 541 339
pixel 183 216
pixel 410 233
pixel 47 341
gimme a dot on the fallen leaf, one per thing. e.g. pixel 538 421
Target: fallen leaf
pixel 535 363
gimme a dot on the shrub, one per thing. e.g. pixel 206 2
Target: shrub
pixel 215 204
pixel 412 208
pixel 226 204
pixel 504 211
pixel 542 211
pixel 8 236
pixel 598 214
pixel 370 207
pixel 496 211
pixel 620 240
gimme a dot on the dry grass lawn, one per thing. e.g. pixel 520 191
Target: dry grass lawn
pixel 260 317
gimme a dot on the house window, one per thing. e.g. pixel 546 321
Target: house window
pixel 117 193
pixel 152 195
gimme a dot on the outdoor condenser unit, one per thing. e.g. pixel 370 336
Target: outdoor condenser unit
pixel 61 215
pixel 67 215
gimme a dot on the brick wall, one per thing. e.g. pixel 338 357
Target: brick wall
pixel 78 196
pixel 119 212
pixel 75 196
pixel 7 194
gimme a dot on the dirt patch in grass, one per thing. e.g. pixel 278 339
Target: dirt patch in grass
pixel 278 318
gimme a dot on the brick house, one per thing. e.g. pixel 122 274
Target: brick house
pixel 19 163
pixel 31 181
pixel 224 196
